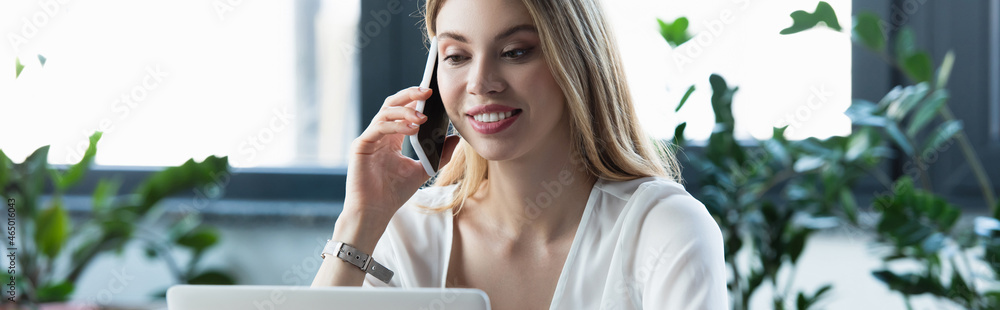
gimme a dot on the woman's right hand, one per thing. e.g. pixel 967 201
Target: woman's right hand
pixel 379 180
pixel 379 177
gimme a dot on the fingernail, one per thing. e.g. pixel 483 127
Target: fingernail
pixel 420 115
pixel 424 90
pixel 412 125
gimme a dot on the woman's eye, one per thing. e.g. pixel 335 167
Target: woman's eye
pixel 516 53
pixel 454 59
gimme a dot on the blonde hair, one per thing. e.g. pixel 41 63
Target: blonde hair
pixel 580 49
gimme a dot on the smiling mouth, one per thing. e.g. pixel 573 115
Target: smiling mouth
pixel 495 116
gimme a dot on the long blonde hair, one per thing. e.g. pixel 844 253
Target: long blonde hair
pixel 580 49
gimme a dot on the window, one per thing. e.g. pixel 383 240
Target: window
pixel 740 40
pixel 262 82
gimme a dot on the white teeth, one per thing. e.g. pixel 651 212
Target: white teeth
pixel 492 117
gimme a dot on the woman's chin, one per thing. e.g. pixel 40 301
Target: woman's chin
pixel 495 151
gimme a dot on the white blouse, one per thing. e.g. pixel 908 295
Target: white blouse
pixel 641 244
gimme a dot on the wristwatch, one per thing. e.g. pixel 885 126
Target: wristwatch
pixel 354 256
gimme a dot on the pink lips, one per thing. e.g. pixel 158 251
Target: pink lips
pixel 494 127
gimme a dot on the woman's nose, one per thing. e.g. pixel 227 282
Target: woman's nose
pixel 484 79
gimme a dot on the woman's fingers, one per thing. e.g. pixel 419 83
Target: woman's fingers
pixel 392 114
pixel 405 96
pixel 377 130
pixel 397 116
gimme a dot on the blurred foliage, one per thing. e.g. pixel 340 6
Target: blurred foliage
pixel 60 250
pixel 769 196
pixel 675 33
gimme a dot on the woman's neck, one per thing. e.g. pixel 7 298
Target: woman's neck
pixel 538 197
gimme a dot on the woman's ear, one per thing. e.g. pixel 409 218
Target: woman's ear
pixel 450 143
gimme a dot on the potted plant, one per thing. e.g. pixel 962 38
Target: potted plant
pixel 47 251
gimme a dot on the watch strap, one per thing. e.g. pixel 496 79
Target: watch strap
pixel 358 258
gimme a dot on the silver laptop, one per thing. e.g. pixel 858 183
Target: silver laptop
pixel 251 297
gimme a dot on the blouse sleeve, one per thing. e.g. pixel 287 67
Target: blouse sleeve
pixel 689 270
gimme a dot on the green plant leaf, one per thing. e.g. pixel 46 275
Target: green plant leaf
pixel 797 244
pixel 776 149
pixel 808 163
pixel 901 140
pixel 722 101
pixel 898 104
pixel 675 33
pixel 803 302
pixel 685 98
pixel 75 172
pixel 53 229
pixel 862 113
pixel 959 288
pixel 184 177
pixel 905 43
pixel 868 32
pixel 944 72
pixel 54 292
pixel 802 20
pixel 212 277
pixel 6 169
pixel 996 212
pixel 103 193
pixel 42 59
pixel 199 239
pixel 679 133
pixel 17 67
pixel 926 111
pixel 918 67
pixel 857 144
pixel 849 204
pixel 942 134
pixel 909 284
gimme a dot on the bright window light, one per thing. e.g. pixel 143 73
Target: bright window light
pixel 165 81
pixel 801 80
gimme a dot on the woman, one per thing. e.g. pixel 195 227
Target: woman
pixel 559 201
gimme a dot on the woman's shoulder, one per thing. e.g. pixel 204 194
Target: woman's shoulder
pixel 664 212
pixel 655 197
pixel 668 240
pixel 642 188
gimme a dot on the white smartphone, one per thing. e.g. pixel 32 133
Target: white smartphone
pixel 428 143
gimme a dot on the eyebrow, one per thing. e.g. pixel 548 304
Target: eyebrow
pixel 506 33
